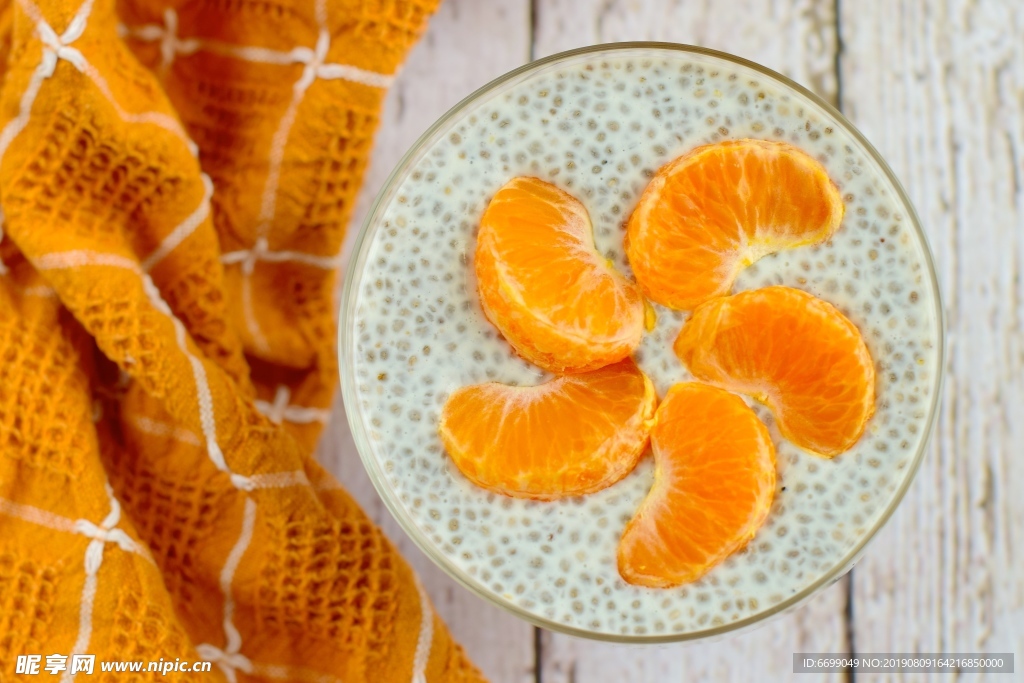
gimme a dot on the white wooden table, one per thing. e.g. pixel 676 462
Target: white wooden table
pixel 938 87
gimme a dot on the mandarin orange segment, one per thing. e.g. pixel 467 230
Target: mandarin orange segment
pixel 717 209
pixel 713 486
pixel 573 435
pixel 791 351
pixel 542 283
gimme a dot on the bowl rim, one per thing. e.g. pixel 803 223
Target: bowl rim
pixel 347 333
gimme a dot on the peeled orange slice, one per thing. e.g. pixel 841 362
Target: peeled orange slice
pixel 713 485
pixel 558 302
pixel 791 351
pixel 570 436
pixel 714 211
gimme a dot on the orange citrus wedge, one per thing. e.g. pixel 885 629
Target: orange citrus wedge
pixel 714 211
pixel 713 485
pixel 570 436
pixel 791 351
pixel 558 302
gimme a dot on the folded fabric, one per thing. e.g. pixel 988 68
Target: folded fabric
pixel 175 180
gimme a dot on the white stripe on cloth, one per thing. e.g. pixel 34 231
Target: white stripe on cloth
pixel 172 45
pixel 56 48
pixel 84 615
pixel 277 480
pixel 258 55
pixel 228 662
pixel 60 260
pixel 155 118
pixel 40 291
pixel 155 428
pixel 351 73
pixel 101 534
pixel 268 204
pixel 279 410
pixel 234 640
pixel 425 641
pixel 247 259
pixel 83 527
pixel 230 659
pixel 249 314
pixel 37 516
pixel 28 98
pixel 204 396
pixel 320 10
pixel 261 253
pixel 183 229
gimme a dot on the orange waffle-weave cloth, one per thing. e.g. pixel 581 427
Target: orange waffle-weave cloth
pixel 175 180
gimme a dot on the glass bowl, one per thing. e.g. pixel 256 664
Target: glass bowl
pixel 392 411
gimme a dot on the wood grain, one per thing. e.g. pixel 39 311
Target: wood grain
pixel 796 38
pixel 763 654
pixel 468 44
pixel 799 40
pixel 946 109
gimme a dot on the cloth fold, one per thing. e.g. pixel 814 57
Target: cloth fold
pixel 175 181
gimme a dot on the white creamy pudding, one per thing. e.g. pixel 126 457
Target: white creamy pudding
pixel 598 125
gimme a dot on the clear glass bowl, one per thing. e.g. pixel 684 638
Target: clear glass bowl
pixel 361 416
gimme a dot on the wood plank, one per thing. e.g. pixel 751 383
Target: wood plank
pixel 938 86
pixel 763 654
pixel 468 44
pixel 795 38
pixel 799 40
